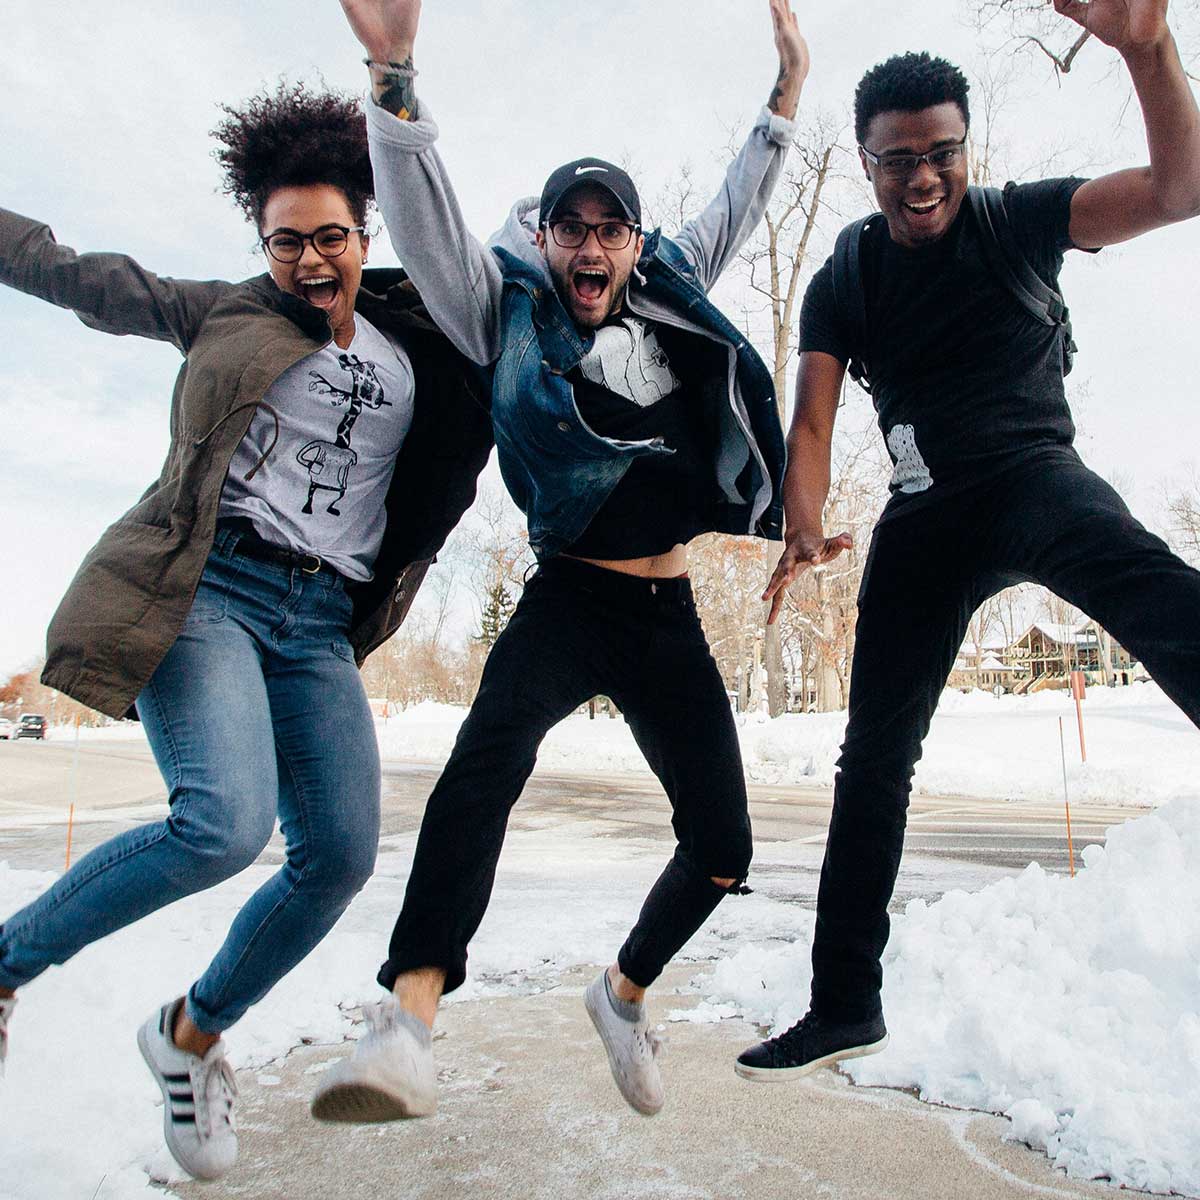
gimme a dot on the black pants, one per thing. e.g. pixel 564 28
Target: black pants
pixel 1047 519
pixel 580 631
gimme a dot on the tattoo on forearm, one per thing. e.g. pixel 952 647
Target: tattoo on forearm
pixel 777 92
pixel 393 88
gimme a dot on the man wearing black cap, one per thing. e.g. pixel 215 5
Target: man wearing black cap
pixel 630 416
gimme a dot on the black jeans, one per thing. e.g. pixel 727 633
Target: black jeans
pixel 580 631
pixel 1047 519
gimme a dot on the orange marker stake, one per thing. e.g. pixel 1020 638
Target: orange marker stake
pixel 1062 745
pixel 1077 691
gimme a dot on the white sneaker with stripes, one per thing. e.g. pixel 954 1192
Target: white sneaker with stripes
pixel 198 1096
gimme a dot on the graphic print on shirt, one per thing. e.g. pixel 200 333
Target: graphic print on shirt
pixel 911 473
pixel 329 463
pixel 626 359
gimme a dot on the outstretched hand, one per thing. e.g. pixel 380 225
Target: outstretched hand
pixel 793 60
pixel 387 29
pixel 802 550
pixel 1122 24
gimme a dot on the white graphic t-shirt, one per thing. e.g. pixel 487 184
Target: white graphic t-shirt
pixel 343 416
pixel 627 359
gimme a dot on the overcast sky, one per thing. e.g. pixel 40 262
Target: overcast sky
pixel 105 136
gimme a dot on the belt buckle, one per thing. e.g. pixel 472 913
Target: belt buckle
pixel 305 559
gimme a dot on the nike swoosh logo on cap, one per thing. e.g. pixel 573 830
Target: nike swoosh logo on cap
pixel 581 170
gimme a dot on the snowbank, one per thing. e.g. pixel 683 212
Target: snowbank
pixel 1141 749
pixel 1071 1006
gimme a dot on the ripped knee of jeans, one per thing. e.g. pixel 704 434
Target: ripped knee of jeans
pixel 732 887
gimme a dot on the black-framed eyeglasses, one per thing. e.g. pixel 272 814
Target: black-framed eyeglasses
pixel 287 245
pixel 901 166
pixel 570 233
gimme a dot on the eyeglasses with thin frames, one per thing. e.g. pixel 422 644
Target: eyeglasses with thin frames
pixel 903 166
pixel 330 241
pixel 570 233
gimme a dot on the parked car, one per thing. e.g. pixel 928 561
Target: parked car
pixel 7 729
pixel 31 725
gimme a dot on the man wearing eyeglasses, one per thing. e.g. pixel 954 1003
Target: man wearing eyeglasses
pixel 630 416
pixel 987 489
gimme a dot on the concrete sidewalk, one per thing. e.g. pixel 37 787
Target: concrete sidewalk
pixel 529 1111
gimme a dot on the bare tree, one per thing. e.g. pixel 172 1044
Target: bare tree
pixel 726 574
pixel 1183 512
pixel 776 261
pixel 819 615
pixel 1035 25
pixel 984 622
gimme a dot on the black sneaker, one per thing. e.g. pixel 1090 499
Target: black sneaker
pixel 813 1042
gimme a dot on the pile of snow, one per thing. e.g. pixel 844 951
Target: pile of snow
pixel 1141 749
pixel 1071 1006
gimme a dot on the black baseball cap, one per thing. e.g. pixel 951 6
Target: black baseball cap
pixel 594 171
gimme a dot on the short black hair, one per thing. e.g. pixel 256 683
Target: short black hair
pixel 908 83
pixel 292 137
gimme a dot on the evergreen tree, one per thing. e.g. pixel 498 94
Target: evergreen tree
pixel 495 614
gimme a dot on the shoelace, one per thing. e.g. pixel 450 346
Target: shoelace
pixel 381 1017
pixel 652 1041
pixel 793 1039
pixel 214 1087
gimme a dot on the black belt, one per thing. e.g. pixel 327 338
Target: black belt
pixel 252 546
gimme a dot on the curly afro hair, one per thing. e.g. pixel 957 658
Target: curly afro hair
pixel 292 137
pixel 908 83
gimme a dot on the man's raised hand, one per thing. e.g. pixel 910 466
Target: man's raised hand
pixel 802 550
pixel 1125 25
pixel 387 29
pixel 793 60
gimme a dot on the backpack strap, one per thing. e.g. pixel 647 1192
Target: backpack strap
pixel 1012 268
pixel 849 296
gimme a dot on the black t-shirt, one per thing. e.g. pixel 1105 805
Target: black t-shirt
pixel 650 386
pixel 962 376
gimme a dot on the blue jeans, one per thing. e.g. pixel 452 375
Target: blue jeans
pixel 257 709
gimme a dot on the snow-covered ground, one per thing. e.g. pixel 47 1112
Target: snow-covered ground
pixel 1071 1005
pixel 1141 749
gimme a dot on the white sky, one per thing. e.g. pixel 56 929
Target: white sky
pixel 105 136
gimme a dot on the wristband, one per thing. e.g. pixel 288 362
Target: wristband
pixel 393 68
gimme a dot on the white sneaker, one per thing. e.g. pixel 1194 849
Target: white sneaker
pixel 390 1075
pixel 198 1095
pixel 632 1049
pixel 7 1004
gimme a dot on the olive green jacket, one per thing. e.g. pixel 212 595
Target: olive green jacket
pixel 129 598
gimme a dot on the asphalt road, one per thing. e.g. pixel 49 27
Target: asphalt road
pixel 115 785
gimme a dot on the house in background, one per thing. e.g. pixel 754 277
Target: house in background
pixel 1043 657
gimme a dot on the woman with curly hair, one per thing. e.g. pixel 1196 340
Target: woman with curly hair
pixel 325 438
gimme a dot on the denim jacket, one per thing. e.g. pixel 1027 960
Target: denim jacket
pixel 498 305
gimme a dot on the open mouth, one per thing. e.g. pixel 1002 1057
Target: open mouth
pixel 590 283
pixel 319 290
pixel 925 208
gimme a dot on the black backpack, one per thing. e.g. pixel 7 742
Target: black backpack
pixel 1004 256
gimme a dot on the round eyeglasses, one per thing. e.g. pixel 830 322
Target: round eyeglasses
pixel 287 245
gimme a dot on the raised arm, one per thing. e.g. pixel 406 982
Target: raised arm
pixel 1116 207
pixel 712 239
pixel 806 484
pixel 109 292
pixel 458 278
